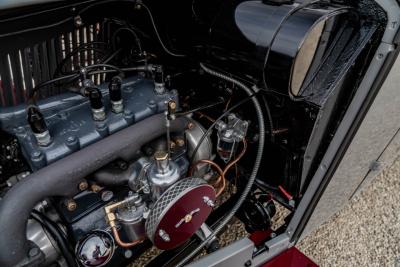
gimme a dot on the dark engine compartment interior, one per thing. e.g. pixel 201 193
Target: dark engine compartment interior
pixel 117 117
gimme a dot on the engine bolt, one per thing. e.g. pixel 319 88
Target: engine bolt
pixel 71 205
pixel 107 196
pixel 172 145
pixel 34 252
pixel 95 188
pixel 190 125
pixel 83 186
pixel 172 105
pixel 180 142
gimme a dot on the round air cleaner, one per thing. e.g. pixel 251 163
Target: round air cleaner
pixel 180 212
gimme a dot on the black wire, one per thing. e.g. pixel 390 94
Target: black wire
pixel 36 28
pixel 110 57
pixel 158 35
pixel 269 116
pixel 288 15
pixel 36 89
pixel 56 233
pixel 73 76
pixel 83 47
pixel 132 32
pixel 206 106
pixel 203 137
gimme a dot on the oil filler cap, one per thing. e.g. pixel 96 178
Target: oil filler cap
pixel 179 212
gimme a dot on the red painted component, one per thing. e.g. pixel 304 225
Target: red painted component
pixel 260 236
pixel 291 258
pixel 285 193
pixel 184 216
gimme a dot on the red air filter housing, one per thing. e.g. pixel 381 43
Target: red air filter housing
pixel 180 212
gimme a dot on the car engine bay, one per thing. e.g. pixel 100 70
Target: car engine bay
pixel 132 124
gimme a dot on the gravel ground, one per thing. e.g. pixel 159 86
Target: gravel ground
pixel 366 232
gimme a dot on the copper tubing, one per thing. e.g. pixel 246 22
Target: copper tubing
pixel 221 172
pixel 122 243
pixel 201 114
pixel 217 168
pixel 233 162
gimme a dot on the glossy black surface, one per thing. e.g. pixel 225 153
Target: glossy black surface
pixel 96 249
pixel 239 34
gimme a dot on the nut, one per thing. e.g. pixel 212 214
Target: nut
pixel 172 145
pixel 160 155
pixel 83 186
pixel 71 205
pixel 180 142
pixel 172 105
pixel 95 188
pixel 190 125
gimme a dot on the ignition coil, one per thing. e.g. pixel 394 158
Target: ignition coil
pixel 38 126
pixel 117 105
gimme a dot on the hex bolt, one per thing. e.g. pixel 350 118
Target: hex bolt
pixel 172 105
pixel 83 186
pixel 128 253
pixel 247 263
pixel 33 252
pixel 95 188
pixel 190 125
pixel 180 142
pixel 107 195
pixel 35 155
pixel 172 145
pixel 78 21
pixel 71 205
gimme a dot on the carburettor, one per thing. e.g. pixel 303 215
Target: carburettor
pixel 169 211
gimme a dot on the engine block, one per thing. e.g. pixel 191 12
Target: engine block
pixel 70 121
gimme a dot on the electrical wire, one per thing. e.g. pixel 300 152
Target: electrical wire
pixel 236 160
pixel 71 77
pixel 141 4
pixel 288 15
pixel 200 108
pixel 83 47
pixel 36 28
pixel 217 168
pixel 158 35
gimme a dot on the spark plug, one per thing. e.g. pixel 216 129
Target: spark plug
pixel 39 126
pixel 117 105
pixel 96 103
pixel 159 82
